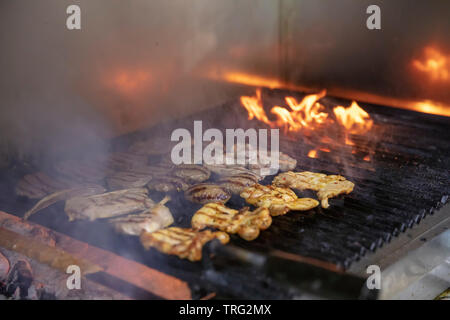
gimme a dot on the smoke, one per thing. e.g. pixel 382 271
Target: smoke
pixel 138 63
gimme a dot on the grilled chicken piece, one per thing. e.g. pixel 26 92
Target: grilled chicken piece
pixel 191 173
pixel 278 200
pixel 167 184
pixel 207 192
pixel 244 222
pixel 62 195
pixel 38 185
pixel 184 243
pixel 128 179
pixel 237 183
pixel 108 205
pixel 327 186
pixel 150 220
pixel 285 163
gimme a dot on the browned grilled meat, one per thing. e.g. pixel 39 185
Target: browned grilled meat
pixel 126 161
pixel 278 200
pixel 244 222
pixel 191 173
pixel 38 185
pixel 167 184
pixel 225 170
pixel 184 243
pixel 128 179
pixel 153 146
pixel 152 219
pixel 62 195
pixel 108 205
pixel 207 192
pixel 83 171
pixel 327 186
pixel 237 183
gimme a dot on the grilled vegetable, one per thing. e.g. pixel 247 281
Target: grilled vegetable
pixel 327 186
pixel 184 243
pixel 244 222
pixel 207 192
pixel 278 200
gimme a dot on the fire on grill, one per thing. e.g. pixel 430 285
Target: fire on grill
pixel 217 157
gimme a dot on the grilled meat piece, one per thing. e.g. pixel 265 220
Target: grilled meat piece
pixel 153 146
pixel 62 195
pixel 191 173
pixel 126 161
pixel 38 185
pixel 167 184
pixel 327 186
pixel 108 205
pixel 128 179
pixel 278 200
pixel 83 171
pixel 285 163
pixel 150 220
pixel 226 170
pixel 237 183
pixel 244 222
pixel 207 192
pixel 184 243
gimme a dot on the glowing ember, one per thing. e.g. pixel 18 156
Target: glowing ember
pixel 435 64
pixel 366 158
pixel 353 118
pixel 312 154
pixel 325 149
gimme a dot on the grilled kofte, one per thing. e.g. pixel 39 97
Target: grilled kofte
pixel 150 220
pixel 327 186
pixel 191 173
pixel 278 200
pixel 108 205
pixel 207 192
pixel 184 243
pixel 238 182
pixel 244 222
pixel 167 184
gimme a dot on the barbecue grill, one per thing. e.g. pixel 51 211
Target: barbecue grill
pixel 398 208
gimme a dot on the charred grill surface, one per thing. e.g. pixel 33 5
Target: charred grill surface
pixel 406 179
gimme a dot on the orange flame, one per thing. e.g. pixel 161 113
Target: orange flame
pixel 305 113
pixel 353 118
pixel 435 64
pixel 312 154
pixel 254 107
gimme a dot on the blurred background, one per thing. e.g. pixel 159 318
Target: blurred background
pixel 137 63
